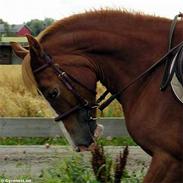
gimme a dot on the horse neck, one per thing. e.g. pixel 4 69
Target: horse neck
pixel 119 53
pixel 121 57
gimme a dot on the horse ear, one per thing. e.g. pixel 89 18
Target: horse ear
pixel 19 50
pixel 34 46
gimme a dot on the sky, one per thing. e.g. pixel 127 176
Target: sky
pixel 20 11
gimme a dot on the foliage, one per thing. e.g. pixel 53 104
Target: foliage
pixel 101 165
pixel 58 173
pixel 121 161
pixel 6 26
pixel 98 165
pixel 71 170
pixel 37 25
pixel 2 21
pixel 77 168
pixel 16 100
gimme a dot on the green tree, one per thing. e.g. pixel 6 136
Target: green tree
pixel 6 28
pixel 48 21
pixel 38 25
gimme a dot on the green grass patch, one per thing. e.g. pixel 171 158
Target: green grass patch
pixel 116 141
pixel 32 141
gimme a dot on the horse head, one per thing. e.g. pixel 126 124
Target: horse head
pixel 68 85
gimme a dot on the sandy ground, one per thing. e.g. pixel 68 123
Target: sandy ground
pixel 30 160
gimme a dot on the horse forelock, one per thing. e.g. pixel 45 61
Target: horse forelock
pixel 27 74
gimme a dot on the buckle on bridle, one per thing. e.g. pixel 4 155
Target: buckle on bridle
pixel 61 75
pixel 86 103
pixel 92 118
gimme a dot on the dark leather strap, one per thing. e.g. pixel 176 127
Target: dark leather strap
pixel 167 76
pixel 179 67
pixel 48 63
pixel 102 97
pixel 67 113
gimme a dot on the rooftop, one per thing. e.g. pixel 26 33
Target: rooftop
pixel 12 28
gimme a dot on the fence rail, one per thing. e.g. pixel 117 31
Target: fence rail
pixel 46 127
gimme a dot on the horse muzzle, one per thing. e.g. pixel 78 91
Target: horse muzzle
pixel 97 133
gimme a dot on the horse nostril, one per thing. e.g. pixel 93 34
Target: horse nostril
pixel 53 93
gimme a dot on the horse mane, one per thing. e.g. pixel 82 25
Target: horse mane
pixel 63 23
pixel 28 76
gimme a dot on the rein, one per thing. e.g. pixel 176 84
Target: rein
pixel 167 76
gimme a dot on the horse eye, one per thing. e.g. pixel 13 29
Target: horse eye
pixel 52 94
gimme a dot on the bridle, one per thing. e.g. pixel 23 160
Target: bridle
pixel 83 103
pixel 67 80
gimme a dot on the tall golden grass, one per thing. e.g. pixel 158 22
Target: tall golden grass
pixel 17 101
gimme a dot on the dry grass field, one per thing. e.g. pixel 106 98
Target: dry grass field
pixel 17 101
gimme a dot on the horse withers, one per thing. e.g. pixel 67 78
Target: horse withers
pixel 67 59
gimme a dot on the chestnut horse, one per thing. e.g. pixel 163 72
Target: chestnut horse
pixel 67 59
